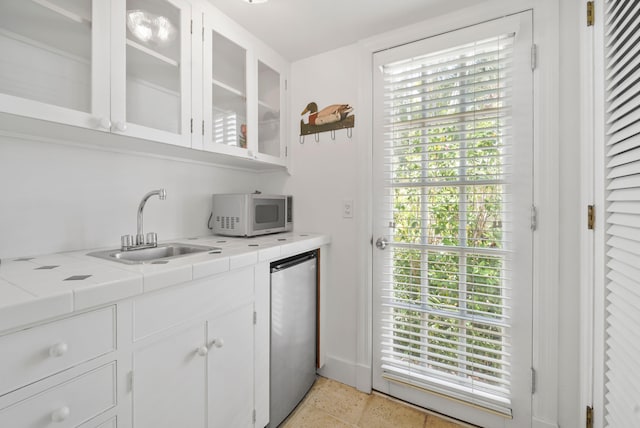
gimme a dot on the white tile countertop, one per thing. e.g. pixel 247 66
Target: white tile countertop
pixel 35 288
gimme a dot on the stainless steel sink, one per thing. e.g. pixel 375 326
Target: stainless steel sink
pixel 161 253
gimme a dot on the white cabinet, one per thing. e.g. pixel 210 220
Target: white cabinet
pixel 68 404
pixel 53 347
pixel 151 70
pixel 55 61
pixel 193 354
pixel 61 373
pixel 170 71
pixel 231 369
pixel 121 66
pixel 169 378
pixel 243 91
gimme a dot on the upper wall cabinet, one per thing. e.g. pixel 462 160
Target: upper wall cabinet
pixel 151 70
pixel 55 61
pixel 170 71
pixel 243 93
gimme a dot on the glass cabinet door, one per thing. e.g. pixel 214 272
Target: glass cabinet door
pixel 226 100
pixel 157 102
pixel 268 110
pixel 54 62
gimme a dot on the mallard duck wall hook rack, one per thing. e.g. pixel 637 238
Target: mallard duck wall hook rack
pixel 331 118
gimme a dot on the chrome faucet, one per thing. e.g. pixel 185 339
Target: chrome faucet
pixel 127 241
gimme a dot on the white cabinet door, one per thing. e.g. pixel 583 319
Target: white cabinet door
pixel 169 381
pixel 225 125
pixel 271 108
pixel 55 61
pixel 151 70
pixel 243 93
pixel 230 369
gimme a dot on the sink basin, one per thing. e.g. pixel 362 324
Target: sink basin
pixel 162 252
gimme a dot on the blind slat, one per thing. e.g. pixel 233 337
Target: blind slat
pixel 444 313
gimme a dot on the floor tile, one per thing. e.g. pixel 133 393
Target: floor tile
pixel 436 422
pixel 381 412
pixel 331 404
pixel 337 399
pixel 309 416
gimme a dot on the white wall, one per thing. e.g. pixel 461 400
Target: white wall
pixel 58 197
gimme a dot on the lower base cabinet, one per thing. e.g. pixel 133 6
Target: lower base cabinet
pixel 197 370
pixel 169 378
pixel 68 404
pixel 231 369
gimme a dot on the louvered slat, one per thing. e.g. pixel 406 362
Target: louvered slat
pixel 622 333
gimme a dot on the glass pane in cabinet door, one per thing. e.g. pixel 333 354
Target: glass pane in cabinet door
pixel 46 51
pixel 228 87
pixel 268 110
pixel 153 64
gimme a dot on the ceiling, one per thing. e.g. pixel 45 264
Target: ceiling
pixel 299 29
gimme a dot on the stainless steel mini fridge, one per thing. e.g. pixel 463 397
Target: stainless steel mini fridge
pixel 293 333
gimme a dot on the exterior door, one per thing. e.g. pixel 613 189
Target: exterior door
pixel 453 198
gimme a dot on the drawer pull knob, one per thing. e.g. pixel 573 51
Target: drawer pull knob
pixel 61 414
pixel 218 342
pixel 58 350
pixel 202 351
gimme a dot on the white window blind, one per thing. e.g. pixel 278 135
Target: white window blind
pixel 447 312
pixel 622 59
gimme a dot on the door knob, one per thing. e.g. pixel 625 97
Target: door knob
pixel 381 243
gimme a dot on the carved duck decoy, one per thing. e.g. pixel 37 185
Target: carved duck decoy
pixel 330 114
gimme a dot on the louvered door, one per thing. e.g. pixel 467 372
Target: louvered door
pixel 622 157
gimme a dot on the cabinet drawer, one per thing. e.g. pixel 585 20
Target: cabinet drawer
pixel 166 308
pixel 66 405
pixel 34 353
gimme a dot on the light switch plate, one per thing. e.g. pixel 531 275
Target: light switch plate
pixel 347 208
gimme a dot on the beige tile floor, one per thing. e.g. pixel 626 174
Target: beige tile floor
pixel 330 404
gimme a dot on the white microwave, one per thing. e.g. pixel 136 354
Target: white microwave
pixel 251 214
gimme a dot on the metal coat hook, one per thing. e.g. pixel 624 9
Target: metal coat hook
pixel 333 134
pixel 349 132
pixel 316 136
pixel 302 139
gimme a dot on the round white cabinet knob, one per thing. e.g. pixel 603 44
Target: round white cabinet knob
pixel 218 342
pixel 58 350
pixel 61 414
pixel 105 123
pixel 120 126
pixel 202 351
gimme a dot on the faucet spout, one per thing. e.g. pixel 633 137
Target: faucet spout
pixel 162 194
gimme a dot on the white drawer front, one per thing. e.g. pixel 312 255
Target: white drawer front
pixel 66 405
pixel 164 309
pixel 32 354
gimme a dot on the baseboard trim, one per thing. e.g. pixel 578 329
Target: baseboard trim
pixel 340 370
pixel 363 378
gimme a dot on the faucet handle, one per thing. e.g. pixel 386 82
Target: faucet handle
pixel 126 242
pixel 139 239
pixel 152 238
